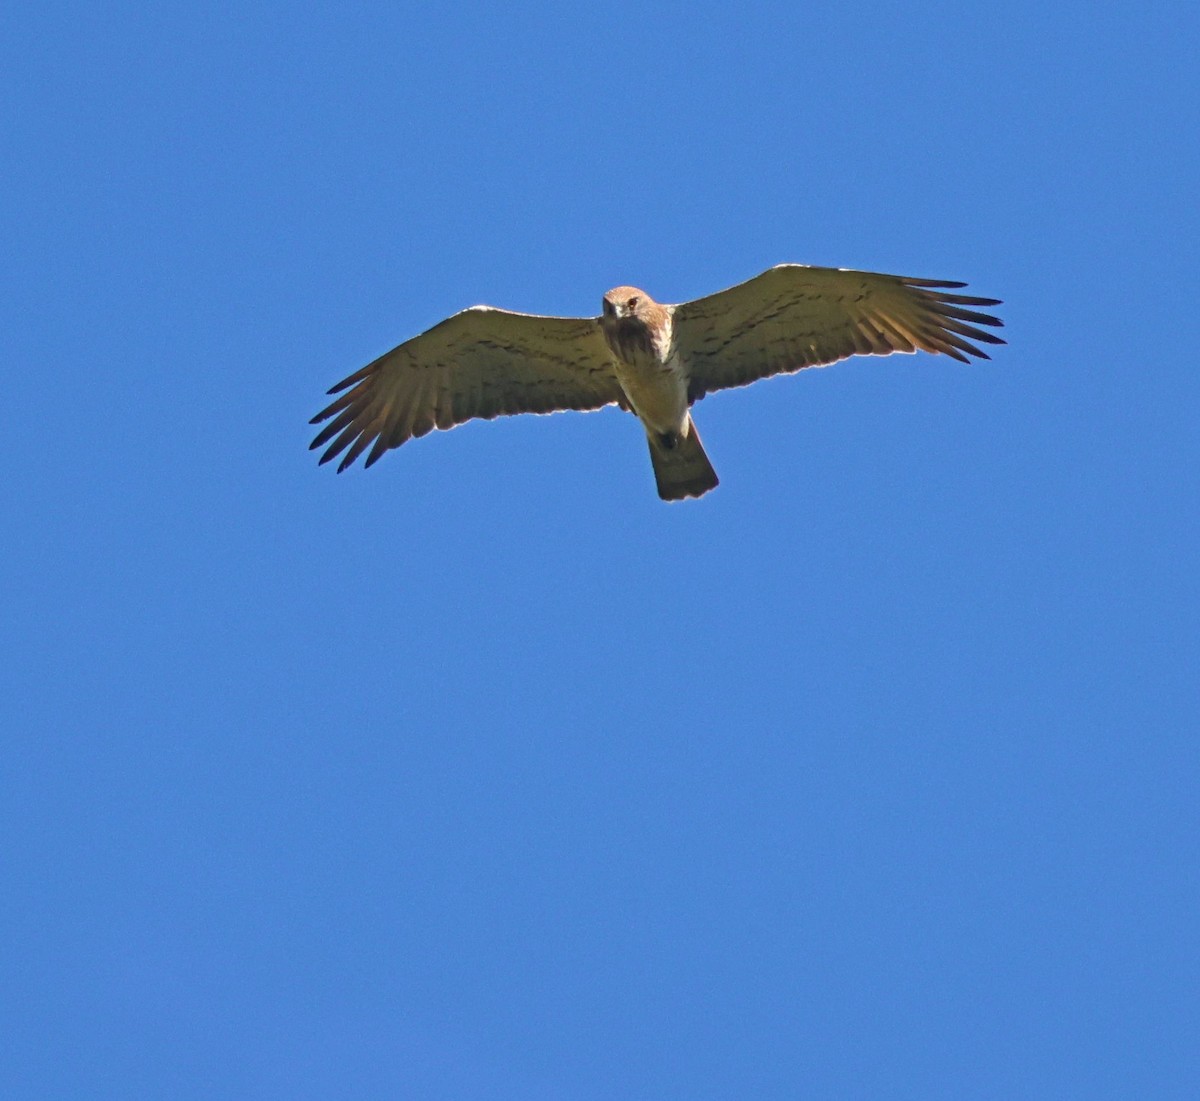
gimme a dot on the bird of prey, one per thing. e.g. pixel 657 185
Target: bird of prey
pixel 650 359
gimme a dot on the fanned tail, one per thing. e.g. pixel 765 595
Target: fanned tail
pixel 681 468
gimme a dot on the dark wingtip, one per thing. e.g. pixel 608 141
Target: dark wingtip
pixel 968 299
pixel 350 380
pixel 947 284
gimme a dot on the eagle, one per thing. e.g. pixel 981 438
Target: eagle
pixel 650 359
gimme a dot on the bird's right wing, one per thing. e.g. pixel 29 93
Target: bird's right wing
pixel 482 362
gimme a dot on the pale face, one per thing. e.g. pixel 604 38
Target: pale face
pixel 625 302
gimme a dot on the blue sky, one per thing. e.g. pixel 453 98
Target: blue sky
pixel 484 773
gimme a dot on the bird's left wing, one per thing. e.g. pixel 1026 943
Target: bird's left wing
pixel 794 316
pixel 482 362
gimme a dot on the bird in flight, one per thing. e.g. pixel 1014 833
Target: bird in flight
pixel 650 359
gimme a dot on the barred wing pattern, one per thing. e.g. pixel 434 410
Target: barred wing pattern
pixel 794 316
pixel 482 362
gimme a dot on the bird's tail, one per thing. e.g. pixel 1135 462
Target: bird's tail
pixel 681 468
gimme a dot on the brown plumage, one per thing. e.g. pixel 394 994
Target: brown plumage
pixel 652 359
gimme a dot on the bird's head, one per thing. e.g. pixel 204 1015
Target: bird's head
pixel 627 303
pixel 635 326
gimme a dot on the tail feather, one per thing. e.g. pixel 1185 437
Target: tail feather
pixel 681 468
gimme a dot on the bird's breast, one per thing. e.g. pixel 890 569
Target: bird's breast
pixel 649 372
pixel 633 344
pixel 657 391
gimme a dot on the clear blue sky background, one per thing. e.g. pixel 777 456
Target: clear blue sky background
pixel 485 774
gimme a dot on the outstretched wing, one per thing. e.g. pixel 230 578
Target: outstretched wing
pixel 794 316
pixel 482 362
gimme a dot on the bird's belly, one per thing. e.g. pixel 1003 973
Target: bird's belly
pixel 657 392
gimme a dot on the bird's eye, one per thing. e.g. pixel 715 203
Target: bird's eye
pixel 631 304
